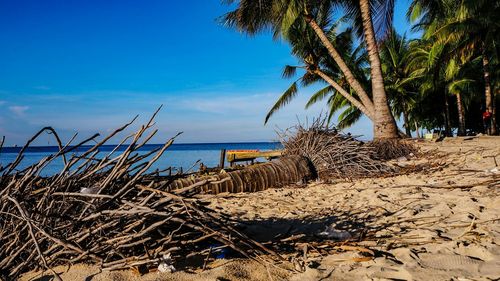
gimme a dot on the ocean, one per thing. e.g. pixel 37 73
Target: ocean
pixel 177 156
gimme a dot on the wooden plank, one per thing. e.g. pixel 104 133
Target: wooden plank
pixel 233 156
pixel 222 158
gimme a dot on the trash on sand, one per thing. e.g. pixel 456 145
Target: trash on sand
pixel 219 251
pixel 166 264
pixel 332 233
pixel 89 190
pixel 402 159
pixel 492 171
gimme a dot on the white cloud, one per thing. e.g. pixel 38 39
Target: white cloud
pixel 2 102
pixel 203 117
pixel 227 104
pixel 18 110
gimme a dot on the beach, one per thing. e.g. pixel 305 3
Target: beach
pixel 440 221
pixel 249 140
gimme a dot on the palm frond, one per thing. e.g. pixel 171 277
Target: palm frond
pixel 383 15
pixel 289 71
pixel 285 98
pixel 348 117
pixel 319 95
pixel 293 10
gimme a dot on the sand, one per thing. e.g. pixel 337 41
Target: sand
pixel 441 222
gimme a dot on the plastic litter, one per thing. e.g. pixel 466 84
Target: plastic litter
pixel 166 264
pixel 492 171
pixel 89 190
pixel 332 233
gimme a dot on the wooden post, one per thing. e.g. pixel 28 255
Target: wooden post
pixel 222 158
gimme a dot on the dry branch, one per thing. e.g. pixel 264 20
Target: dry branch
pixel 111 211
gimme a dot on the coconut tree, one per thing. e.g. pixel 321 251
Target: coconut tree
pixel 319 67
pixel 356 58
pixel 442 73
pixel 400 84
pixel 252 16
pixel 425 61
pixel 471 25
pixel 362 11
pixel 460 82
pixel 477 26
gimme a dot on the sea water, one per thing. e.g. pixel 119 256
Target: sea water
pixel 185 156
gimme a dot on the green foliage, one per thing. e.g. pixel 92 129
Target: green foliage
pixel 425 78
pixel 285 98
pixel 310 51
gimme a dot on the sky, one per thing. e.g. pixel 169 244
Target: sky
pixel 91 66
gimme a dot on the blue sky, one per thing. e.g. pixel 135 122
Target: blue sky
pixel 90 66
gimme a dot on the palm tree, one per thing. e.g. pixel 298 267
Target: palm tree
pixel 384 121
pixel 253 16
pixel 477 26
pixel 319 67
pixel 356 58
pixel 425 62
pixel 440 72
pixel 400 85
pixel 471 25
pixel 459 80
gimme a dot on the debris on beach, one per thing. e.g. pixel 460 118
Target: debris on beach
pixel 333 154
pixel 331 232
pixel 109 211
pixel 287 170
pixel 166 264
pixel 387 149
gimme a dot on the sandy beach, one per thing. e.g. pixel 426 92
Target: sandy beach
pixel 280 140
pixel 441 221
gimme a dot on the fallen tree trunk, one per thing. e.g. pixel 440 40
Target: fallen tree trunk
pixel 284 171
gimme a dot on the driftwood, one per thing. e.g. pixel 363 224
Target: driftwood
pixel 280 172
pixel 112 211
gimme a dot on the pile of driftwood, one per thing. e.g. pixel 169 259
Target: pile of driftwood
pixel 333 154
pixel 110 210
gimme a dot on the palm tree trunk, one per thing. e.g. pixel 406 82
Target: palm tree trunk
pixel 417 129
pixel 407 122
pixel 353 82
pixel 284 171
pixel 385 125
pixel 490 101
pixel 447 121
pixel 345 94
pixel 461 115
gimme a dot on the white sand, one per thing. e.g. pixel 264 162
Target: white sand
pixel 442 223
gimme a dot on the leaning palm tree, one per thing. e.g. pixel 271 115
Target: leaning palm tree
pixel 319 67
pixel 279 16
pixel 356 59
